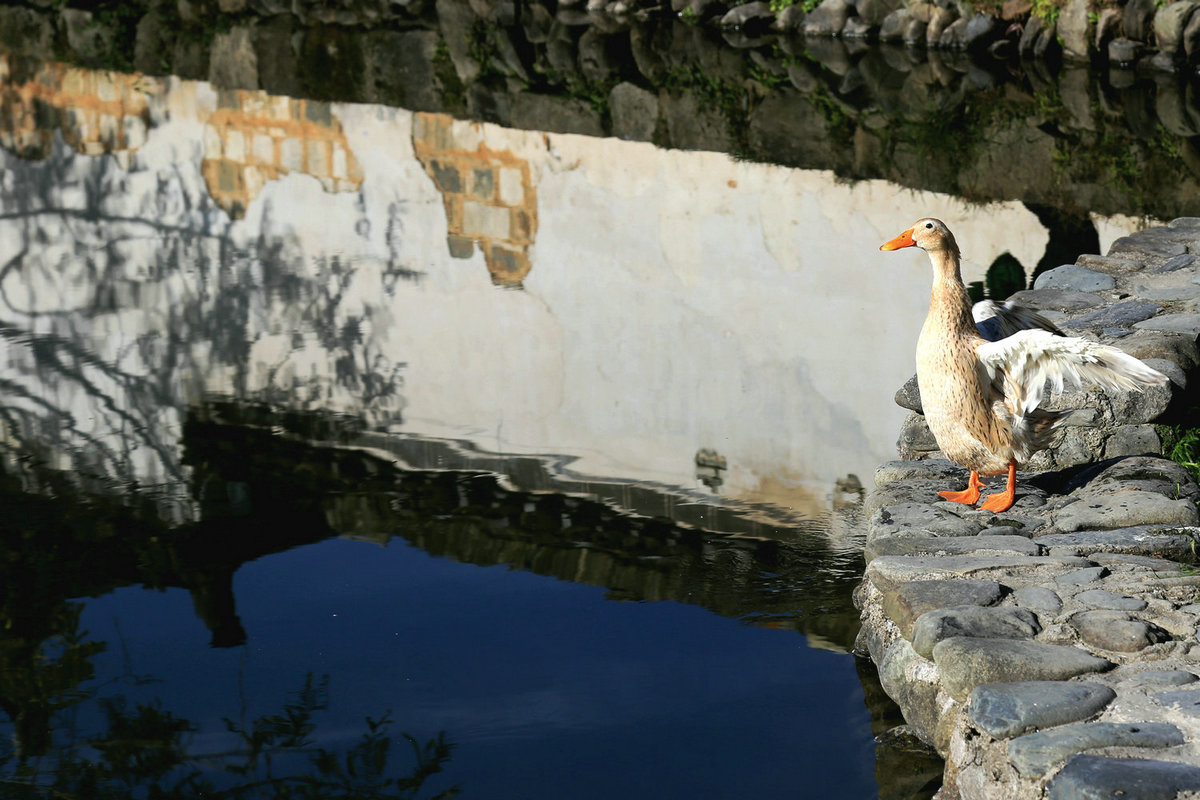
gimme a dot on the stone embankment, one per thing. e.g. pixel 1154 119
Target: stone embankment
pixel 1050 651
pixel 1157 35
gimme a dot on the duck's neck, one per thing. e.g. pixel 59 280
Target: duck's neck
pixel 949 303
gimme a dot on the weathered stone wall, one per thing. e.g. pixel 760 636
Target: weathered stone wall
pixel 1050 651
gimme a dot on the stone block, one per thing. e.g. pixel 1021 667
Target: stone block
pixel 634 112
pixel 905 603
pixel 1117 631
pixel 1035 754
pixel 974 621
pixel 481 220
pixel 1087 776
pixel 291 155
pixel 1005 710
pixel 317 162
pixel 1075 279
pixel 1125 510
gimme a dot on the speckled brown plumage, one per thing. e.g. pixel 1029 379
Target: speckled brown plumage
pixel 968 417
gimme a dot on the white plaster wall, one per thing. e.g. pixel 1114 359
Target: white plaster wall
pixel 677 301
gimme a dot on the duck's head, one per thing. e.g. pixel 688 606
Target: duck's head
pixel 928 234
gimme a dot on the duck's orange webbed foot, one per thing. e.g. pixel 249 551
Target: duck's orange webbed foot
pixel 969 496
pixel 1002 501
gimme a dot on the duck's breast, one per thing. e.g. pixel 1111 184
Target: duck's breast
pixel 958 405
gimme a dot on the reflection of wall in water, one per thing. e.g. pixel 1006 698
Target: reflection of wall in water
pixel 674 300
pixel 97 112
pixel 490 199
pixel 253 138
pixel 126 291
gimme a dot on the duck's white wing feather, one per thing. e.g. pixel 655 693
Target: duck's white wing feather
pixel 1022 364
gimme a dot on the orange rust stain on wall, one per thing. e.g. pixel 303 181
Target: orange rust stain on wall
pixel 254 137
pixel 98 112
pixel 250 139
pixel 489 195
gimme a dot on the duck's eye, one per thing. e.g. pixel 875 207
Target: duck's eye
pixel 929 226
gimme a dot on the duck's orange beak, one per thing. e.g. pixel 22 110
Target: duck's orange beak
pixel 903 240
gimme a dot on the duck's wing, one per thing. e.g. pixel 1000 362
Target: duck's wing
pixel 1020 366
pixel 997 321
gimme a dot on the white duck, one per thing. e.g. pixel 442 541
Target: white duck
pixel 981 398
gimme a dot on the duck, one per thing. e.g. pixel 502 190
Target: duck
pixel 982 399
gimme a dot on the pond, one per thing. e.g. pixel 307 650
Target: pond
pixel 543 449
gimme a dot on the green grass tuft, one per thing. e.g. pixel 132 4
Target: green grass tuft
pixel 1182 445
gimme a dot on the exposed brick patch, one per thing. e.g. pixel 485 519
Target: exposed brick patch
pixel 254 137
pixel 98 112
pixel 489 195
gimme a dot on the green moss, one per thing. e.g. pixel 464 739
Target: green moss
pixel 595 95
pixel 454 94
pixel 837 121
pixel 481 45
pixel 779 5
pixel 770 80
pixel 1047 10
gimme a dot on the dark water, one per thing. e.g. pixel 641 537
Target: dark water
pixel 325 425
pixel 349 451
pixel 533 645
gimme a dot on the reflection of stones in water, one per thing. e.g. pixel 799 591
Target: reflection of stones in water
pixel 97 112
pixel 848 492
pixel 474 517
pixel 709 466
pixel 1070 235
pixel 489 195
pixel 905 767
pixel 254 137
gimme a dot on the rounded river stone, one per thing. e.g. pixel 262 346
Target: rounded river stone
pixel 1074 279
pixel 1117 315
pixel 1125 509
pixel 949 545
pixel 965 662
pixel 1092 777
pixel 1144 540
pixel 1116 630
pixel 1039 598
pixel 1162 677
pixel 917 520
pixel 1005 710
pixel 1185 700
pixel 988 623
pixel 1080 576
pixel 1099 598
pixel 1035 753
pixel 911 600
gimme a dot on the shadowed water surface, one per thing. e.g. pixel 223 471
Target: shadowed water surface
pixel 544 449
